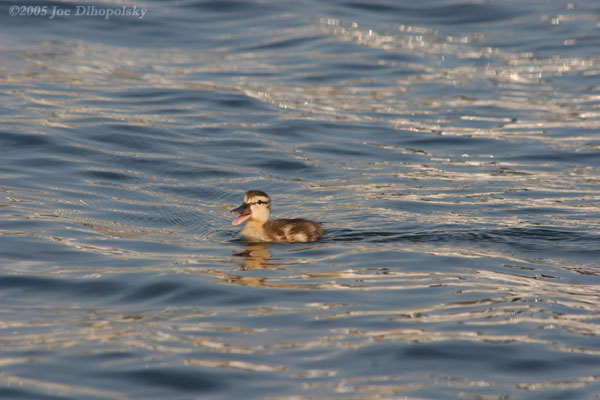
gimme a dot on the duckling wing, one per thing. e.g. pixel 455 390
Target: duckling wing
pixel 293 230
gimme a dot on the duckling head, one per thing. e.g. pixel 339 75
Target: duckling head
pixel 256 207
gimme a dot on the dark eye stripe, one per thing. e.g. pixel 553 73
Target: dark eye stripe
pixel 259 202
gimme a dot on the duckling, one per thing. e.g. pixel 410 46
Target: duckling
pixel 256 210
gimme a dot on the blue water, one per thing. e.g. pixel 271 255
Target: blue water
pixel 451 150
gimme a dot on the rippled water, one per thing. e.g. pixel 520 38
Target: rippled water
pixel 451 150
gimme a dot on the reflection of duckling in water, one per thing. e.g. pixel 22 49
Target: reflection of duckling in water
pixel 256 256
pixel 256 210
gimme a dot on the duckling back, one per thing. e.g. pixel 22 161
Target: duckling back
pixel 293 230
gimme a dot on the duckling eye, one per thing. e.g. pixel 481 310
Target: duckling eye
pixel 259 202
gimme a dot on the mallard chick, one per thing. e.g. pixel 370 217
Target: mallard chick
pixel 256 209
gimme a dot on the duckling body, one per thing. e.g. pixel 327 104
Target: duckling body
pixel 256 211
pixel 282 230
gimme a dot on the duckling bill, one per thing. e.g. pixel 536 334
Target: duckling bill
pixel 255 211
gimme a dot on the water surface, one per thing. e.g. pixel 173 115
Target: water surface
pixel 451 150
